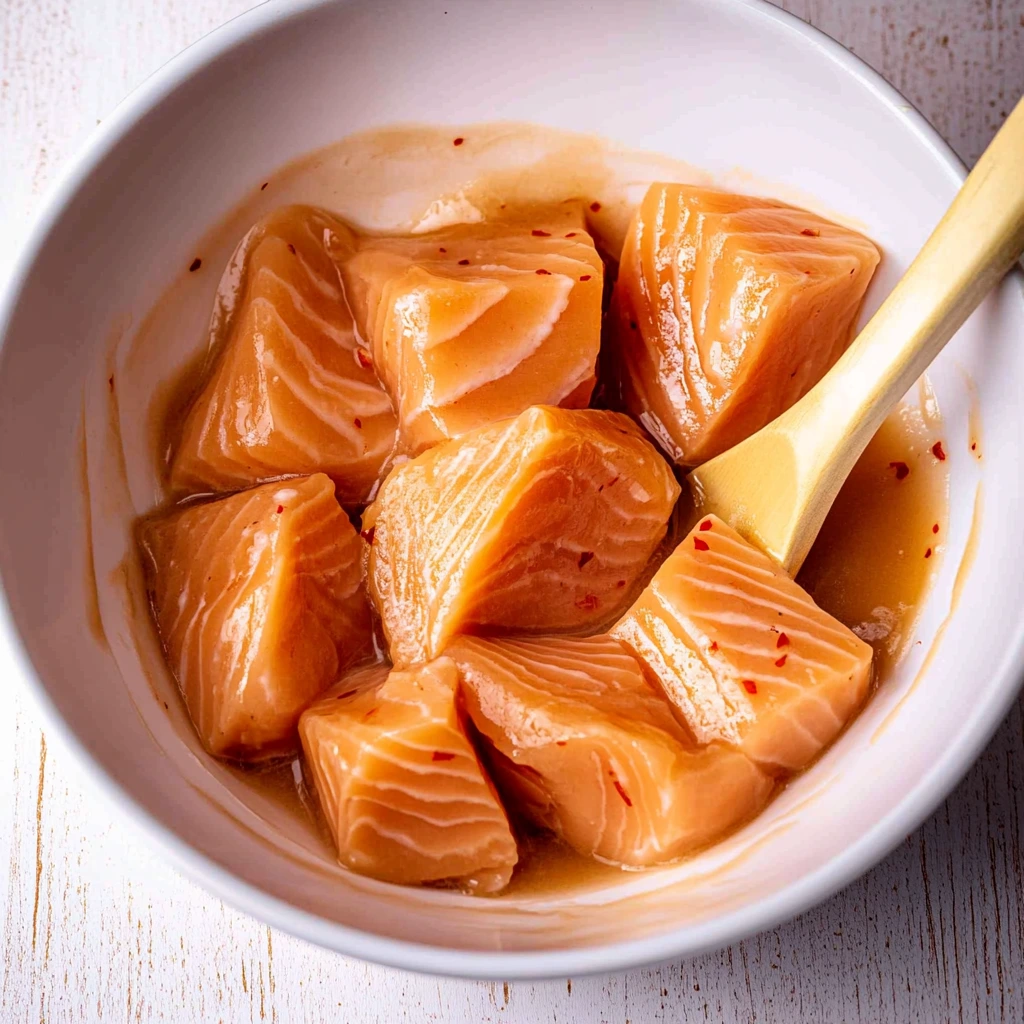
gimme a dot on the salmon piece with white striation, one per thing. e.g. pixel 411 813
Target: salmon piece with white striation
pixel 290 391
pixel 401 786
pixel 259 602
pixel 726 310
pixel 581 743
pixel 476 323
pixel 538 524
pixel 744 653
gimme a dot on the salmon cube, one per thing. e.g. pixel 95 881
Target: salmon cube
pixel 726 310
pixel 581 743
pixel 259 602
pixel 290 392
pixel 403 791
pixel 744 654
pixel 476 323
pixel 536 524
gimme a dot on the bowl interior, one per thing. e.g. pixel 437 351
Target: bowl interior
pixel 744 93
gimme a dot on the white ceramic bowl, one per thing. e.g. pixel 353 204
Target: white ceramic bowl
pixel 724 84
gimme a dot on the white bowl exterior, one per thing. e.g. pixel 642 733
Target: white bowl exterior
pixel 724 85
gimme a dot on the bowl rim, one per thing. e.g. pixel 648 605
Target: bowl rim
pixel 824 881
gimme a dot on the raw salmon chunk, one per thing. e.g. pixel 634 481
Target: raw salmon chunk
pixel 533 525
pixel 727 309
pixel 582 744
pixel 477 323
pixel 743 653
pixel 290 392
pixel 400 784
pixel 259 602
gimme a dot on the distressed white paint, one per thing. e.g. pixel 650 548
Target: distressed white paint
pixel 95 928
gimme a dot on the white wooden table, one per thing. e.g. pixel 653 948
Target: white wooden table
pixel 95 928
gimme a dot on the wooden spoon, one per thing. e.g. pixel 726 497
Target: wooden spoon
pixel 777 486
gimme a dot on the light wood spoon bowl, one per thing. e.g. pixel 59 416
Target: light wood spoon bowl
pixel 777 486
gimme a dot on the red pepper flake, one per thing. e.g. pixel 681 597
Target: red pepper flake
pixel 938 451
pixel 587 603
pixel 621 584
pixel 611 483
pixel 750 686
pixel 442 249
pixel 291 248
pixel 620 789
pixel 280 509
pixel 935 528
pixel 714 645
pixel 195 265
pixel 585 556
pixel 584 277
pixel 371 712
pixel 810 232
pixel 459 141
pixel 560 743
pixel 110 381
pixel 706 525
pixel 779 662
pixel 928 553
pixel 264 185
pixel 902 470
pixel 543 272
pixel 363 357
pixel 538 233
pixel 595 206
pixel 463 263
pixel 346 694
pixel 700 545
pixel 974 446
pixel 442 755
pixel 358 422
pixel 783 640
pixel 367 535
pixel 572 234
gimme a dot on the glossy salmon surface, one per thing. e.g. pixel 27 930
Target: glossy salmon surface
pixel 581 743
pixel 726 310
pixel 259 603
pixel 744 654
pixel 536 524
pixel 290 392
pixel 476 323
pixel 400 784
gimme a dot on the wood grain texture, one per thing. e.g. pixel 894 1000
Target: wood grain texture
pixel 96 928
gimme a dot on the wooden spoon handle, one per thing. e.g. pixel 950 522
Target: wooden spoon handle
pixel 974 245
